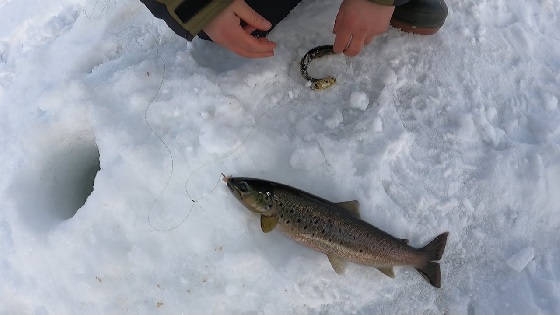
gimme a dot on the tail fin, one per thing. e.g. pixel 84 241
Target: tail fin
pixel 431 272
pixel 434 251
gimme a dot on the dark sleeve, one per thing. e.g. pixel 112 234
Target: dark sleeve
pixel 186 18
pixel 159 10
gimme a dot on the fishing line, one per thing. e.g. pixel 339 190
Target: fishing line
pixel 226 155
pixel 158 136
pixel 188 196
pixel 327 163
pixel 220 158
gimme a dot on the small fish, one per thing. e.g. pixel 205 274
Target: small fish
pixel 317 52
pixel 334 229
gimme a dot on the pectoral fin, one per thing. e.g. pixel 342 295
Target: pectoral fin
pixel 353 206
pixel 268 223
pixel 337 263
pixel 388 271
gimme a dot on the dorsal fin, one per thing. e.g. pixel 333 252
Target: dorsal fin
pixel 268 223
pixel 353 206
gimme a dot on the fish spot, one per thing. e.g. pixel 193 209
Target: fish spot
pixel 323 231
pixel 361 251
pixel 281 215
pixel 339 230
pixel 305 227
pixel 292 211
pixel 298 220
pixel 287 221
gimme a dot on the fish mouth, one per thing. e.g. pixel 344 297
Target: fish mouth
pixel 231 186
pixel 225 178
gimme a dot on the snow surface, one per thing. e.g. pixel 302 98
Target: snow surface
pixel 454 132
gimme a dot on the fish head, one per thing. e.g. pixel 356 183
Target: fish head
pixel 322 84
pixel 255 194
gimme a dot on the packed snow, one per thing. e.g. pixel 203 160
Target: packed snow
pixel 454 132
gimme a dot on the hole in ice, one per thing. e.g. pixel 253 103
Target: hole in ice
pixel 57 179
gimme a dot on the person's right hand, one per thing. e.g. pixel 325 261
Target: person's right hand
pixel 226 30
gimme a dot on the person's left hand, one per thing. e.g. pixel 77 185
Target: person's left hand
pixel 357 23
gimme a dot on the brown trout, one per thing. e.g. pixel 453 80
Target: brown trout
pixel 334 229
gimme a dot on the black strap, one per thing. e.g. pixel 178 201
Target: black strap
pixel 160 11
pixel 189 8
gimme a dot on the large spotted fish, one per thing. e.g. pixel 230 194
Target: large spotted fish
pixel 334 229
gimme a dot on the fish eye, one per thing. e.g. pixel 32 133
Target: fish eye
pixel 243 187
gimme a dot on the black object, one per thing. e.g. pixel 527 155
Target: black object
pixel 420 16
pixel 186 10
pixel 159 10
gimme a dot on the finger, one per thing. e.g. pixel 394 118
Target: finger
pixel 341 41
pixel 249 29
pixel 337 21
pixel 250 43
pixel 241 51
pixel 251 17
pixel 265 40
pixel 356 44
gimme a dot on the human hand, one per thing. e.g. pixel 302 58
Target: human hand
pixel 357 23
pixel 226 31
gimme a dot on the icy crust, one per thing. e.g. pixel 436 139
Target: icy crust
pixel 454 132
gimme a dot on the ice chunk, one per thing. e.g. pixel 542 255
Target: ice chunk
pixel 359 100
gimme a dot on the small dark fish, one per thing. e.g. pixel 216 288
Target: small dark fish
pixel 334 229
pixel 317 52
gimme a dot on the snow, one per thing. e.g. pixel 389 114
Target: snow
pixel 359 100
pixel 521 259
pixel 453 132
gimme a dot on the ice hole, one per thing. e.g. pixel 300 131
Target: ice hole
pixel 57 180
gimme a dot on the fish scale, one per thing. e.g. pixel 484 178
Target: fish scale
pixel 334 229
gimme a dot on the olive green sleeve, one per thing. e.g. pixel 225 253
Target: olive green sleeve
pixel 206 15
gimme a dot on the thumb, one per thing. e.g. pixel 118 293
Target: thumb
pixel 251 17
